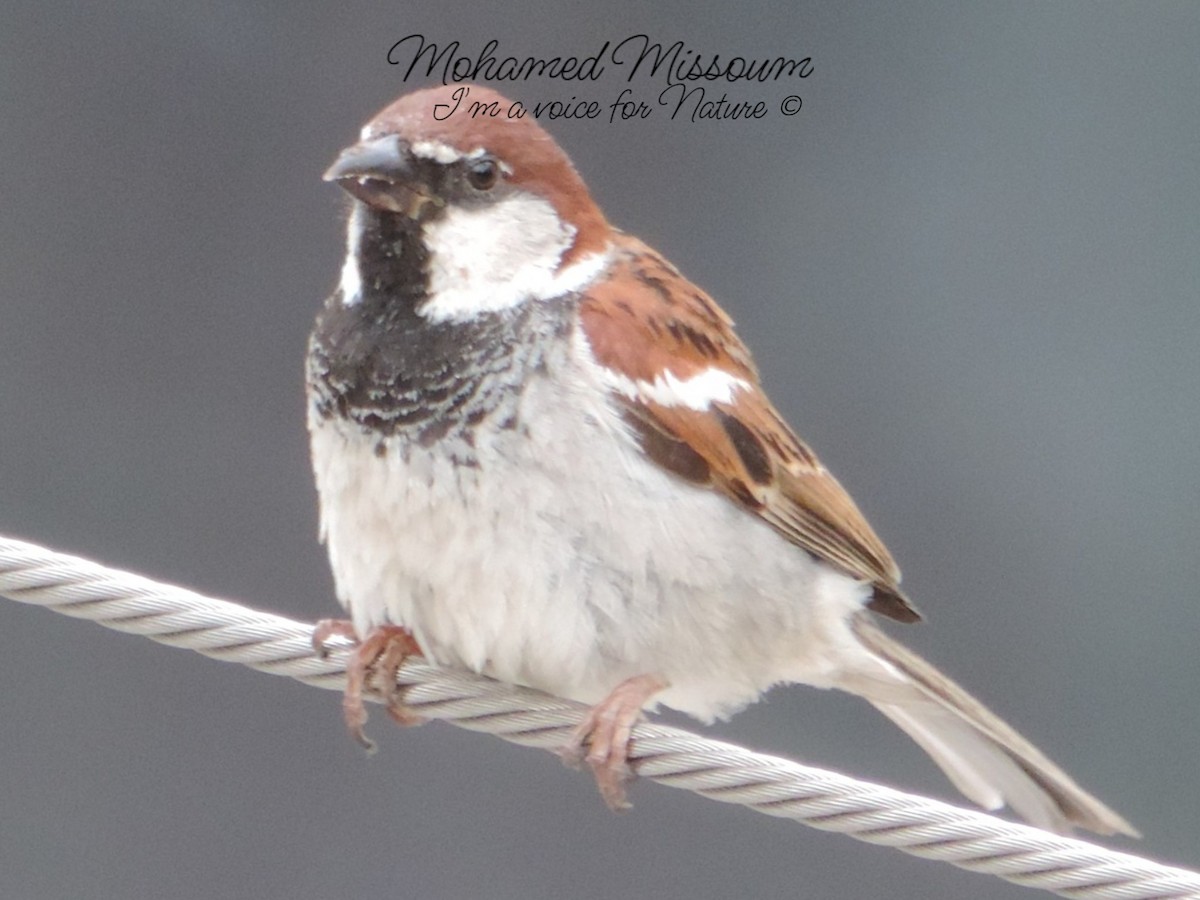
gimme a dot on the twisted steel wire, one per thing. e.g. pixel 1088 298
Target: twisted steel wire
pixel 720 771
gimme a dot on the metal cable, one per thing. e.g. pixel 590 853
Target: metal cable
pixel 720 771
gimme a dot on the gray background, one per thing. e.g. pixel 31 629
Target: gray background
pixel 969 272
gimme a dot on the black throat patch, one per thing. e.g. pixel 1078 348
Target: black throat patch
pixel 381 365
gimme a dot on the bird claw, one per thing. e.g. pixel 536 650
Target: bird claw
pixel 327 628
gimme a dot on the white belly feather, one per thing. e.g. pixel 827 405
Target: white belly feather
pixel 567 562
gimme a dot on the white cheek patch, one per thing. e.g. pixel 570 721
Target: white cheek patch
pixel 498 256
pixel 698 392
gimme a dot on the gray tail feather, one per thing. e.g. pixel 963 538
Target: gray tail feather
pixel 982 755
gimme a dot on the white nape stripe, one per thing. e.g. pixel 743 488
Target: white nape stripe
pixel 350 284
pixel 698 392
pixel 499 256
pixel 580 273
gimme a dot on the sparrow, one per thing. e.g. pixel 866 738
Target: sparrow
pixel 543 455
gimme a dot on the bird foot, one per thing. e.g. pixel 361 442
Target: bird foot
pixel 602 739
pixel 376 658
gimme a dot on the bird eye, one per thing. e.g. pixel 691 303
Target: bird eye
pixel 483 173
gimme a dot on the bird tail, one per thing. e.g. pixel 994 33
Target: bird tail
pixel 981 754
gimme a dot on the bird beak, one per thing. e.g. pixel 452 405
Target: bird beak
pixel 380 173
pixel 383 157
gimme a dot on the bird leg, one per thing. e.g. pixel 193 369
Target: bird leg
pixel 602 738
pixel 380 653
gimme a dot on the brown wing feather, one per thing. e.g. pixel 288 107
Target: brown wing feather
pixel 643 320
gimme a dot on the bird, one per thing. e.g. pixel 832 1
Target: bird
pixel 543 455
